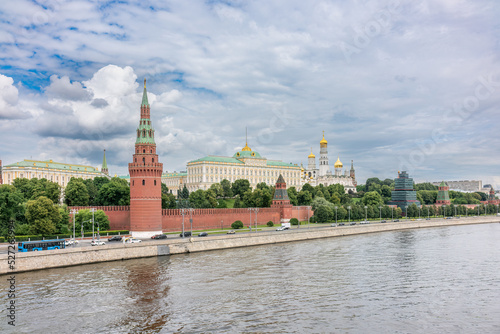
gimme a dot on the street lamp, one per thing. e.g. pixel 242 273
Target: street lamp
pixel 250 221
pixel 256 210
pixel 183 212
pixel 478 209
pixel 455 210
pixel 444 211
pixel 392 213
pixel 74 212
pixel 93 221
pixel 349 207
pixel 336 207
pixel 365 212
pixel 466 211
pixel 380 209
pixel 191 219
pixel 428 213
pixel 406 209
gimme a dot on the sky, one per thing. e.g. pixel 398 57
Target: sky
pixel 395 85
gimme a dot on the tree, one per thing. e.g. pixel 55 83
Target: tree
pixel 211 197
pixel 217 189
pixel 101 220
pixel 237 225
pixel 292 195
pixel 372 198
pixel 115 192
pixel 240 186
pixel 294 221
pixel 304 197
pixel 92 190
pixel 483 196
pixel 76 193
pixel 197 199
pixel 226 188
pixel 168 201
pixel 323 210
pixel 11 207
pixel 62 226
pixel 23 186
pixel 237 203
pixel 42 216
pixel 164 188
pixel 308 187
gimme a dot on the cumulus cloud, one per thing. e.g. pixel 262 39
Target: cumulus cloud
pixel 9 100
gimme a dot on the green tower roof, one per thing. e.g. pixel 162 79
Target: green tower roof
pixel 104 164
pixel 145 96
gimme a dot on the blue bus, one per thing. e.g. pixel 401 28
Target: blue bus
pixel 29 246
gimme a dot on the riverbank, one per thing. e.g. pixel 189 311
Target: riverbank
pixel 113 252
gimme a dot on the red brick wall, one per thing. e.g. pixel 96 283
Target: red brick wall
pixel 119 216
pixel 216 218
pixel 300 212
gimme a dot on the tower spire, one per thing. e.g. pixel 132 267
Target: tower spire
pixel 145 95
pixel 104 168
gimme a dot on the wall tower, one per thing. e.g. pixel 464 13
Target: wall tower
pixel 281 200
pixel 145 179
pixel 104 168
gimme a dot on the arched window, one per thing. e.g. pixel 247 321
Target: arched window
pixel 153 162
pixel 143 151
pixel 133 182
pixel 143 182
pixel 155 182
pixel 144 160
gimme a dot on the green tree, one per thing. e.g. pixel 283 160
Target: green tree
pixel 240 187
pixel 164 188
pixel 62 226
pixel 217 189
pixel 101 220
pixel 211 197
pixel 168 201
pixel 198 199
pixel 237 203
pixel 304 197
pixel 372 198
pixel 292 195
pixel 309 188
pixel 24 187
pixel 42 216
pixel 11 207
pixel 92 190
pixel 76 193
pixel 115 192
pixel 226 188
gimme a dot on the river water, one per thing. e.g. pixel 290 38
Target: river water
pixel 436 280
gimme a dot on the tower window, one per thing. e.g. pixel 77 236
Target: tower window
pixel 143 182
pixel 143 151
pixel 133 182
pixel 153 162
pixel 144 160
pixel 155 182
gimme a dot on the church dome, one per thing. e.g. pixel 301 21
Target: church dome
pixel 312 154
pixel 338 164
pixel 323 142
pixel 246 148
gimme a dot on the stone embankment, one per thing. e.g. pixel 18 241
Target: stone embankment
pixel 112 252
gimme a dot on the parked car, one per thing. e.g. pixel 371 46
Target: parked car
pixel 115 238
pixel 333 225
pixel 341 224
pixel 281 228
pixel 231 232
pixel 352 223
pixel 97 243
pixel 203 234
pixel 396 220
pixel 427 219
pixel 70 242
pixel 159 236
pixel 186 234
pixel 383 221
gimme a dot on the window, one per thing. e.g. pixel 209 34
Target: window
pixel 133 182
pixel 153 160
pixel 155 182
pixel 143 182
pixel 144 160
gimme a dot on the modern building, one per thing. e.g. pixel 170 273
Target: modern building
pixel 145 178
pixel 323 175
pixel 403 194
pixel 443 196
pixel 57 172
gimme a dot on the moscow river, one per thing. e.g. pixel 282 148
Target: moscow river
pixel 435 280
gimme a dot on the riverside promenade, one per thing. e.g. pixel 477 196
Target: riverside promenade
pixel 113 252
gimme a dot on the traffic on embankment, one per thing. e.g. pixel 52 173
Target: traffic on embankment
pixel 72 256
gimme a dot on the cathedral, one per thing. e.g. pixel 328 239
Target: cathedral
pixel 323 175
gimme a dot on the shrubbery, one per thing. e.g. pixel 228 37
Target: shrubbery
pixel 294 221
pixel 237 225
pixel 270 223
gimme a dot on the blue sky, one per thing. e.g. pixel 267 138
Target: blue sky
pixel 395 85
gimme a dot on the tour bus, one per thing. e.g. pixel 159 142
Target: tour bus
pixel 28 246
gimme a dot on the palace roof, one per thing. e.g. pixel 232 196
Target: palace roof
pixel 49 164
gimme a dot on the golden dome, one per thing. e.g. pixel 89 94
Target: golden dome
pixel 312 154
pixel 246 148
pixel 338 164
pixel 323 141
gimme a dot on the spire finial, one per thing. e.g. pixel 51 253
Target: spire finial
pixel 144 82
pixel 323 133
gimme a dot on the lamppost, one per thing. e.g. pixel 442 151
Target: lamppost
pixel 250 221
pixel 349 207
pixel 466 211
pixel 428 213
pixel 478 209
pixel 444 211
pixel 455 210
pixel 365 212
pixel 380 209
pixel 93 221
pixel 74 212
pixel 183 212
pixel 406 209
pixel 336 207
pixel 392 213
pixel 191 219
pixel 254 210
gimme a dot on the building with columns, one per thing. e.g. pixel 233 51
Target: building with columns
pixel 57 172
pixel 323 175
pixel 145 178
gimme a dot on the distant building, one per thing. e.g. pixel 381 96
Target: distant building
pixel 468 186
pixel 403 194
pixel 57 172
pixel 443 196
pixel 174 181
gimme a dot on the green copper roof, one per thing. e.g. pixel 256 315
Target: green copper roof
pixel 280 163
pixel 180 174
pixel 247 154
pixel 104 164
pixel 443 184
pixel 212 158
pixel 49 164
pixel 145 96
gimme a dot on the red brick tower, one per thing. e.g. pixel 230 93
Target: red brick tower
pixel 281 200
pixel 145 179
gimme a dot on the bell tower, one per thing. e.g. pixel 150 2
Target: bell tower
pixel 323 158
pixel 145 179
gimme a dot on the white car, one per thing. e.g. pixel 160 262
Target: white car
pixel 70 242
pixel 281 228
pixel 132 240
pixel 97 243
